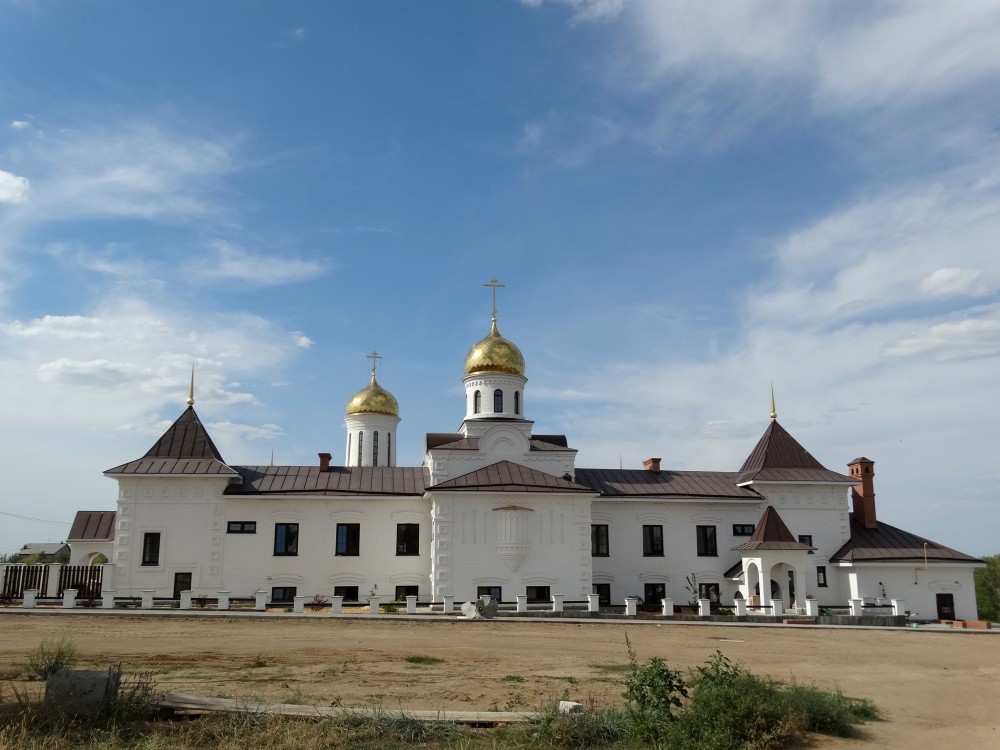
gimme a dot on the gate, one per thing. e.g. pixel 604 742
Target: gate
pixel 17 578
pixel 86 579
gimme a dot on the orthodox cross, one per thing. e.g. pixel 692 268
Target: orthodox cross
pixel 496 285
pixel 374 357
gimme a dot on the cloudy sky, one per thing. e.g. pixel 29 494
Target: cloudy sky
pixel 686 201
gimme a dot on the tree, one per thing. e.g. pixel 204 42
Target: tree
pixel 988 589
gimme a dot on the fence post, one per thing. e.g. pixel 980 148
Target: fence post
pixel 447 603
pixel 411 605
pixel 223 600
pixel 630 604
pixel 54 576
pixel 856 606
pixel 107 598
pixel 741 607
pixel 704 607
pixel 336 604
pixel 260 601
pixel 373 605
pixel 522 602
pixel 29 600
pixel 69 598
pixel 668 607
pixel 898 606
pixel 557 602
pixel 593 602
pixel 147 598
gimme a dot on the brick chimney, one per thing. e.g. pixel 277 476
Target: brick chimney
pixel 324 461
pixel 652 464
pixel 863 494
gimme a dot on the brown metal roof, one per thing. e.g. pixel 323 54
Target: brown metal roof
pixel 506 476
pixel 92 525
pixel 456 442
pixel 778 457
pixel 185 448
pixel 339 480
pixel 772 533
pixel 640 482
pixel 886 543
pixel 174 466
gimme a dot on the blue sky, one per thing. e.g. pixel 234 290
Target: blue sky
pixel 685 203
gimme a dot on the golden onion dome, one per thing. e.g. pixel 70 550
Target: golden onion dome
pixel 494 354
pixel 373 399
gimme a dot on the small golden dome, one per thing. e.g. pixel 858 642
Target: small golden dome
pixel 494 354
pixel 373 399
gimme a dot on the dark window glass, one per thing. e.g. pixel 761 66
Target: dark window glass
pixel 743 529
pixel 361 444
pixel 407 539
pixel 151 548
pixel 807 539
pixel 375 448
pixel 348 539
pixel 350 593
pixel 477 402
pixel 282 594
pixel 241 527
pixel 497 401
pixel 493 592
pixel 653 595
pixel 538 594
pixel 599 540
pixel 286 539
pixel 706 542
pixel 404 591
pixel 388 449
pixel 603 591
pixel 821 575
pixel 652 541
pixel 709 591
pixel 517 402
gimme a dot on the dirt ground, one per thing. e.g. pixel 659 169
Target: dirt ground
pixel 935 689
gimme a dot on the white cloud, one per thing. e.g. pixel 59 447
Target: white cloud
pixel 971 338
pixel 20 124
pixel 949 282
pixel 245 431
pixel 234 263
pixel 13 188
pixel 301 340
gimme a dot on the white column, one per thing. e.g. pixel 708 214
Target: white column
pixel 69 598
pixel 185 602
pixel 336 605
pixel 260 601
pixel 299 604
pixel 704 607
pixel 741 607
pixel 898 606
pixel 411 605
pixel 557 602
pixel 373 605
pixel 856 606
pixel 447 603
pixel 30 598
pixel 668 607
pixel 223 600
pixel 107 598
pixel 593 602
pixel 812 607
pixel 147 598
pixel 522 602
pixel 777 607
pixel 630 602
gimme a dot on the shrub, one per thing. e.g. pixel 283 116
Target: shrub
pixel 51 656
pixel 424 660
pixel 654 687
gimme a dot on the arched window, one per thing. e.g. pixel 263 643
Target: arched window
pixel 348 459
pixel 477 402
pixel 517 402
pixel 388 449
pixel 498 401
pixel 361 443
pixel 375 448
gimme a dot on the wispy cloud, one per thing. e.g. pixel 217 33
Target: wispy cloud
pixel 231 262
pixel 13 188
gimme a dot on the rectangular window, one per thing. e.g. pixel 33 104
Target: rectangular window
pixel 652 541
pixel 282 594
pixel 348 539
pixel 709 591
pixel 821 575
pixel 706 542
pixel 350 593
pixel 493 592
pixel 742 529
pixel 599 540
pixel 407 539
pixel 653 595
pixel 404 591
pixel 241 527
pixel 151 548
pixel 286 539
pixel 538 594
pixel 807 539
pixel 603 591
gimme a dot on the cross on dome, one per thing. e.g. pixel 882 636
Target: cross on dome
pixel 496 285
pixel 374 357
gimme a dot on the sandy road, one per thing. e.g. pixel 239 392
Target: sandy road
pixel 936 689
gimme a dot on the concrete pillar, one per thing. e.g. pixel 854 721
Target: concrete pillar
pixel 777 607
pixel 411 605
pixel 147 598
pixel 260 601
pixel 336 605
pixel 741 607
pixel 630 604
pixel 522 602
pixel 69 598
pixel 373 605
pixel 704 607
pixel 593 602
pixel 447 603
pixel 557 602
pixel 299 604
pixel 668 607
pixel 898 606
pixel 107 598
pixel 812 607
pixel 223 600
pixel 856 606
pixel 185 602
pixel 29 600
pixel 54 569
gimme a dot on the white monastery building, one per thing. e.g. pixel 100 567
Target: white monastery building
pixel 497 509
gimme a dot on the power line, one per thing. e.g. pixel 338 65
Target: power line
pixel 29 518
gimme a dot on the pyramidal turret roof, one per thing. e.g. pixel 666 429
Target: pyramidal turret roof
pixel 778 457
pixel 772 533
pixel 185 448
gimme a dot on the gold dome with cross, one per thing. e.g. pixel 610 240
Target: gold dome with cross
pixel 373 398
pixel 494 353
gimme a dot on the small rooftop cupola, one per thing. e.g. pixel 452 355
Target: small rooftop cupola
pixel 863 493
pixel 494 374
pixel 371 417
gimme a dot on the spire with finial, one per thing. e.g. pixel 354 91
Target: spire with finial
pixel 774 412
pixel 190 398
